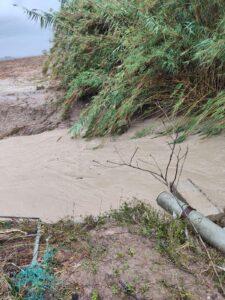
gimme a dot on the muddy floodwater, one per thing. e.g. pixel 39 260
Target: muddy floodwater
pixel 51 176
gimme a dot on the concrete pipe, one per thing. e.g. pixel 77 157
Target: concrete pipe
pixel 209 231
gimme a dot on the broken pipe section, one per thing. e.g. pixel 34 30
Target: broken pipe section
pixel 209 231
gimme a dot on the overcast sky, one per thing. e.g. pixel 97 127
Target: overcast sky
pixel 20 36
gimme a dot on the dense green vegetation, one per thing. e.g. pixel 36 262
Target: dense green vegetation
pixel 132 59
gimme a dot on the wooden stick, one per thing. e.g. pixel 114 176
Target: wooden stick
pixel 14 217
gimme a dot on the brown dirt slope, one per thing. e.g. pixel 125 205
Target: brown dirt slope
pixel 28 99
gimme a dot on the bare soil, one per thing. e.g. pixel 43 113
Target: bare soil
pixel 109 262
pixel 130 264
pixel 28 99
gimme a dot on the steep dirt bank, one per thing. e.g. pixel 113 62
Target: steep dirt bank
pixel 28 100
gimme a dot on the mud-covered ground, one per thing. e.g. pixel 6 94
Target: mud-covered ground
pixel 28 99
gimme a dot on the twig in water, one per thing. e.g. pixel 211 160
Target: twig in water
pixel 170 159
pixel 159 174
pixel 132 157
pixel 178 170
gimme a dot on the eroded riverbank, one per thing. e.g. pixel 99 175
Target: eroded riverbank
pixel 28 101
pixel 51 176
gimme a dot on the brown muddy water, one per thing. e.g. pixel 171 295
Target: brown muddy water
pixel 51 176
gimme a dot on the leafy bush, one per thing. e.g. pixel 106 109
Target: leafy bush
pixel 140 54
